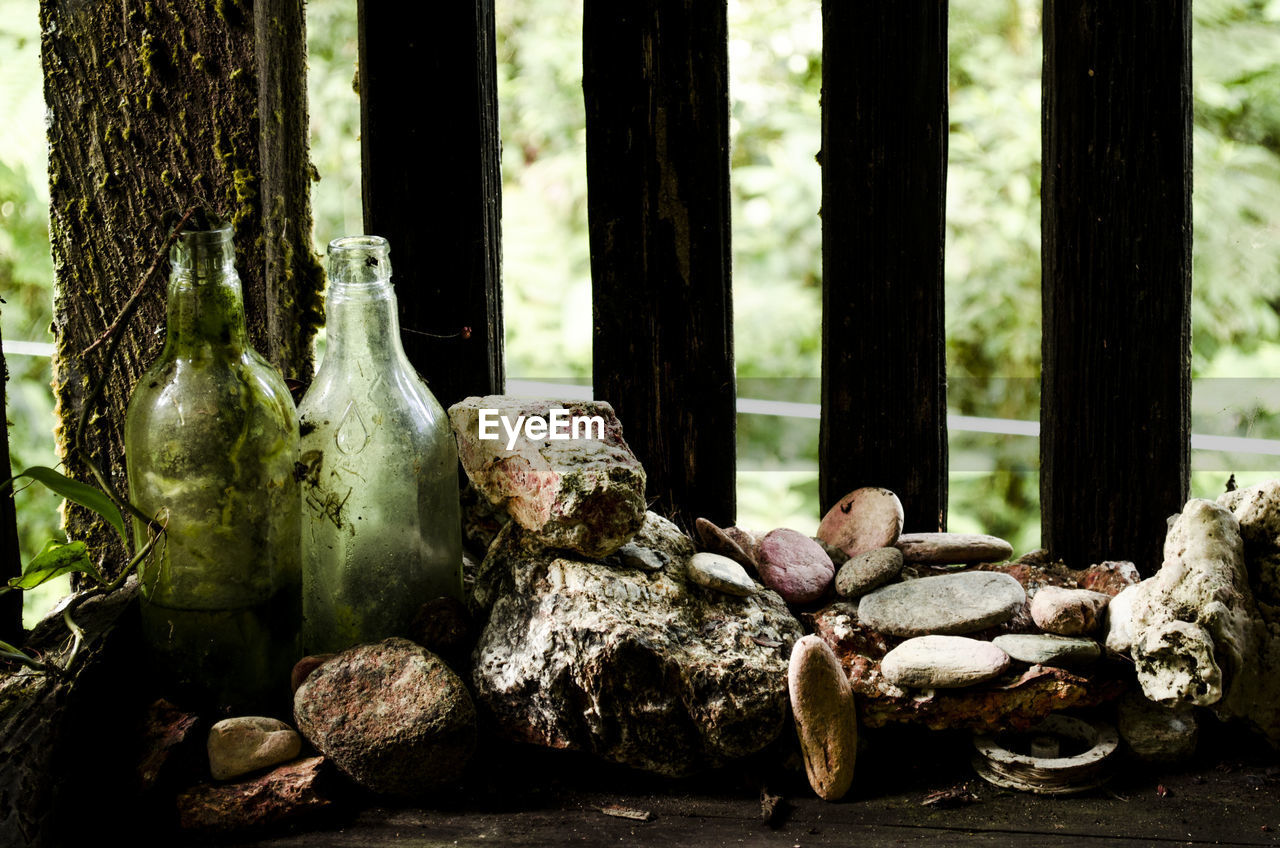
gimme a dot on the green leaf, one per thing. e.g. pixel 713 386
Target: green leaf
pixel 55 560
pixel 73 490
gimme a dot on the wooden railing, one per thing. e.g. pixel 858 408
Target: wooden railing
pixel 1116 234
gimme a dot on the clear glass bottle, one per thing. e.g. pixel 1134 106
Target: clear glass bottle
pixel 211 444
pixel 381 530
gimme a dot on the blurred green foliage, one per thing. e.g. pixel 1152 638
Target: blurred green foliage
pixel 993 231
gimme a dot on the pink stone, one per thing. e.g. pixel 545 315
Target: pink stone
pixel 794 566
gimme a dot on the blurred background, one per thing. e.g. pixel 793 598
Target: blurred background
pixel 992 251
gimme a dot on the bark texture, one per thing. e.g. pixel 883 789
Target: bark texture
pixel 1116 392
pixel 154 107
pixel 10 559
pixel 656 85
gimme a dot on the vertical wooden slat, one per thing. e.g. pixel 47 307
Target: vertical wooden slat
pixel 884 160
pixel 432 184
pixel 655 80
pixel 1116 221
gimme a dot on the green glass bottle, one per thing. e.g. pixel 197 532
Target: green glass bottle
pixel 381 533
pixel 211 444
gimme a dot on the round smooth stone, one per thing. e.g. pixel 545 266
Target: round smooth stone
pixel 863 520
pixel 1068 612
pixel 867 571
pixel 720 574
pixel 950 548
pixel 943 662
pixel 794 566
pixel 1043 649
pixel 243 744
pixel 947 603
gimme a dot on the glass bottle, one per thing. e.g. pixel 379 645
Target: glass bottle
pixel 381 530
pixel 211 444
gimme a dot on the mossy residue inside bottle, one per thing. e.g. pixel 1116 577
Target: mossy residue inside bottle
pixel 211 441
pixel 381 527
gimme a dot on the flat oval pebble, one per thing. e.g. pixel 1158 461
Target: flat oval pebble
pixel 950 548
pixel 1043 649
pixel 794 566
pixel 826 720
pixel 867 571
pixel 863 520
pixel 716 540
pixel 720 574
pixel 947 603
pixel 943 662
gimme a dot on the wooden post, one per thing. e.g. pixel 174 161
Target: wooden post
pixel 154 107
pixel 433 186
pixel 655 80
pixel 884 165
pixel 1116 220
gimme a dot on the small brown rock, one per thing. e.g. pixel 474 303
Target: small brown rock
pixel 288 792
pixel 1068 612
pixel 302 668
pixel 170 745
pixel 863 520
pixel 1110 578
pixel 826 721
pixel 714 540
pixel 868 570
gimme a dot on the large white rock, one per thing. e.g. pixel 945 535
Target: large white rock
pixel 581 494
pixel 638 667
pixel 943 662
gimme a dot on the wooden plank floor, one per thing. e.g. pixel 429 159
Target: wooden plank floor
pixel 1229 796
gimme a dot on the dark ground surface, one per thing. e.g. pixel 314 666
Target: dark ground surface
pixel 1229 795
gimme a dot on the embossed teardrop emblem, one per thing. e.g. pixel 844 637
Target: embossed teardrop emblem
pixel 352 434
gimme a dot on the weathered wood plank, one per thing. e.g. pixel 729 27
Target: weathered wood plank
pixel 1116 277
pixel 655 80
pixel 884 160
pixel 433 185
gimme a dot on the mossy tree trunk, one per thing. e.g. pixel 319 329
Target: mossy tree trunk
pixel 155 106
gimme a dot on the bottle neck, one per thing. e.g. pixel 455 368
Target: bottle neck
pixel 362 324
pixel 206 306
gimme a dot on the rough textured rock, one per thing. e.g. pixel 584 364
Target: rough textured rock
pixel 1044 649
pixel 868 570
pixel 794 566
pixel 1120 622
pixel 945 604
pixel 1190 624
pixel 637 667
pixel 1068 612
pixel 1110 578
pixel 947 548
pixel 826 720
pixel 581 494
pixel 169 746
pixel 1007 703
pixel 244 744
pixel 1157 733
pixel 390 715
pixel 285 794
pixel 943 662
pixel 720 574
pixel 863 520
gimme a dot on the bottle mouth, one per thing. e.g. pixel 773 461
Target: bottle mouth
pixel 359 260
pixel 203 248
